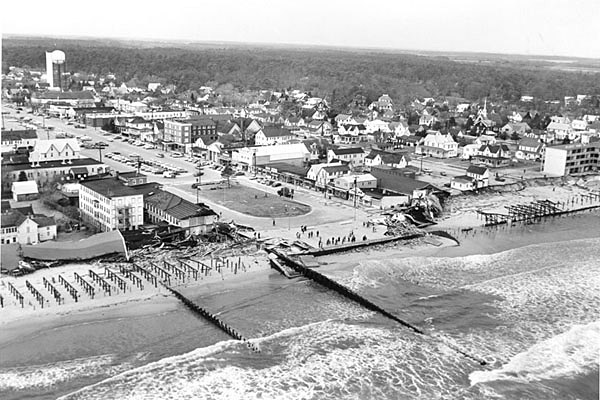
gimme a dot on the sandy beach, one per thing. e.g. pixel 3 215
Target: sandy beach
pixel 17 321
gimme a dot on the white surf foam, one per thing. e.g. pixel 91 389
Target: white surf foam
pixel 570 353
pixel 19 378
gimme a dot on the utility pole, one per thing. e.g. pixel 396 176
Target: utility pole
pixel 355 188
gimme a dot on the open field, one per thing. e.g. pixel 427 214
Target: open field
pixel 254 202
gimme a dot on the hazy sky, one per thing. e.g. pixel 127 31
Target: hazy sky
pixel 545 27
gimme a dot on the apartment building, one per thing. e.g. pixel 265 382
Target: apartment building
pixel 571 159
pixel 108 204
pixel 182 133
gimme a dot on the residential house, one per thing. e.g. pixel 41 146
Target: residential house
pixel 354 156
pixel 399 129
pixel 520 128
pixel 108 204
pixel 438 145
pixel 26 190
pixel 572 159
pixel 14 139
pixel 26 228
pixel 272 135
pixel 561 130
pixel 352 129
pixel 579 125
pixel 325 174
pixel 65 150
pixel 475 178
pixel 320 128
pixel 529 149
pixel 342 119
pixel 391 159
pixel 376 125
pixel 492 155
pixel 164 206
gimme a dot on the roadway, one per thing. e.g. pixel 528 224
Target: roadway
pixel 123 148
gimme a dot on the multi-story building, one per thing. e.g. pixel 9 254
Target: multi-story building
pixel 55 170
pixel 108 204
pixel 181 134
pixel 355 156
pixel 271 135
pixel 572 159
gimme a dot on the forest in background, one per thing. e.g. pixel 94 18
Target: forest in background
pixel 337 74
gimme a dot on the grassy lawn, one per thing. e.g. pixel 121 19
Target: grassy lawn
pixel 254 202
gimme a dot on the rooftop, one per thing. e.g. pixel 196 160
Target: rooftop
pixel 20 134
pixel 176 206
pixel 110 187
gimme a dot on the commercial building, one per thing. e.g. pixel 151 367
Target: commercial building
pixel 572 159
pixel 108 205
pixel 14 139
pixel 165 206
pixel 181 134
pixel 295 154
pixel 64 99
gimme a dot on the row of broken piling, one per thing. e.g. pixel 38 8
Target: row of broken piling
pixel 350 294
pixel 213 319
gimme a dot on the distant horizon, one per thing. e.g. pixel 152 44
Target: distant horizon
pixel 552 28
pixel 174 41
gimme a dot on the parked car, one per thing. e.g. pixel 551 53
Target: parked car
pixel 176 154
pixel 160 155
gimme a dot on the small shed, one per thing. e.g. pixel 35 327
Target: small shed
pixel 26 190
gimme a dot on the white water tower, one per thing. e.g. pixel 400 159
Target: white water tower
pixel 55 67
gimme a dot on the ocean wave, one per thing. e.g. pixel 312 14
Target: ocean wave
pixel 459 272
pixel 565 355
pixel 325 360
pixel 46 375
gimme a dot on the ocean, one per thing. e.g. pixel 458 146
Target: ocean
pixel 530 311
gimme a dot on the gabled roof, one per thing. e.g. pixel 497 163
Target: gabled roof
pixel 43 220
pixel 272 132
pixel 5 205
pixel 12 219
pixel 176 206
pixel 347 150
pixel 42 146
pixel 477 170
pixel 25 210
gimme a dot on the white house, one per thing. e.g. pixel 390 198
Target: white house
pixel 325 174
pixel 378 157
pixel 108 204
pixel 19 138
pixel 399 129
pixel 529 149
pixel 355 156
pixel 55 150
pixel 26 229
pixel 377 125
pixel 561 130
pixel 27 190
pixel 475 178
pixel 436 144
pixel 271 135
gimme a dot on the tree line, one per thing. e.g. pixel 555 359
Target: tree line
pixel 338 75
